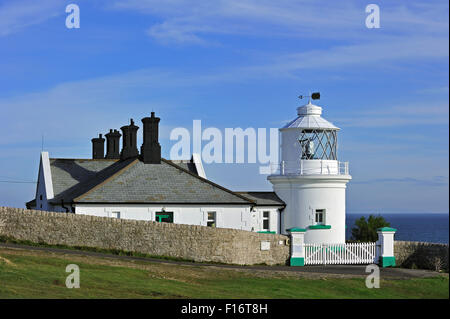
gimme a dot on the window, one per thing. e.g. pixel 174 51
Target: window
pixel 266 221
pixel 40 197
pixel 115 214
pixel 211 219
pixel 164 217
pixel 320 217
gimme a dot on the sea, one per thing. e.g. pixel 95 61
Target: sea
pixel 432 228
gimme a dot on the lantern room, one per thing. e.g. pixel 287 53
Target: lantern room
pixel 309 144
pixel 318 137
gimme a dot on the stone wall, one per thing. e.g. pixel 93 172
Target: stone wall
pixel 410 254
pixel 198 243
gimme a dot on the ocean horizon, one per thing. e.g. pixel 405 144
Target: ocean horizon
pixel 423 227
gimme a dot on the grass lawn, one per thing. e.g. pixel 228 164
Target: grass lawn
pixel 34 274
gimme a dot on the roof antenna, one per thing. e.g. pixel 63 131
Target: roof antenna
pixel 42 143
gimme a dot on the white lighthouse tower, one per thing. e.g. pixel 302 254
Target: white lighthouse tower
pixel 310 179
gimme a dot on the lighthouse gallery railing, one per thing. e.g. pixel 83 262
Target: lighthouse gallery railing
pixel 310 167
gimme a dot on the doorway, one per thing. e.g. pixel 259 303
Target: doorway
pixel 164 217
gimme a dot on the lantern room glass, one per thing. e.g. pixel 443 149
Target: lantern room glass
pixel 318 144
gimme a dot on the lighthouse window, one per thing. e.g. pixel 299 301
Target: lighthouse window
pixel 266 221
pixel 320 216
pixel 318 144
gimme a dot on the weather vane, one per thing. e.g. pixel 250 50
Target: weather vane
pixel 313 96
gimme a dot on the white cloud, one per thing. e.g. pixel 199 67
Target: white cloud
pixel 185 21
pixel 412 32
pixel 19 14
pixel 429 182
pixel 74 109
pixel 434 90
pixel 390 116
pixel 371 54
pixel 105 99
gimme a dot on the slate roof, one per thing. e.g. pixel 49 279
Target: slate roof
pixel 83 182
pixel 132 181
pixel 67 173
pixel 264 198
pixel 187 165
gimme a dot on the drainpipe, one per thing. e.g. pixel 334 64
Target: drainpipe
pixel 279 220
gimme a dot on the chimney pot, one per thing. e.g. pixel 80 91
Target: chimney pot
pixel 151 149
pixel 129 148
pixel 98 147
pixel 112 144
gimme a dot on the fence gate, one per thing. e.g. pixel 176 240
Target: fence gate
pixel 335 254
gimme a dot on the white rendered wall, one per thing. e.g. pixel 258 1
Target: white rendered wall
pixel 40 191
pixel 45 184
pixel 303 195
pixel 233 216
pixel 274 218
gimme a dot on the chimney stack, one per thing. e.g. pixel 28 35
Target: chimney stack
pixel 112 144
pixel 98 147
pixel 151 149
pixel 129 148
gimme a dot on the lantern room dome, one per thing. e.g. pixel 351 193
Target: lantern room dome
pixel 309 117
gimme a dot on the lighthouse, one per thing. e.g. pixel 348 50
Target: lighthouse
pixel 310 179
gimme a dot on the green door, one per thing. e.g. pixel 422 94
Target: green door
pixel 164 217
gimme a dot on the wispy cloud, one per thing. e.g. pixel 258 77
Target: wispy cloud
pixel 96 104
pixel 184 22
pixel 434 90
pixel 434 181
pixel 409 32
pixel 427 113
pixel 372 54
pixel 105 97
pixel 19 14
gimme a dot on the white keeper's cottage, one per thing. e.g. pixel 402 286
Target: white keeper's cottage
pixel 308 184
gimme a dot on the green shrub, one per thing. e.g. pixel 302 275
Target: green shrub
pixel 366 230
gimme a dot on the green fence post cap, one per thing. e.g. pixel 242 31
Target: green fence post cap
pixel 386 229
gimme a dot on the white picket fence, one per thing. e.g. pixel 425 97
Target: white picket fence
pixel 335 254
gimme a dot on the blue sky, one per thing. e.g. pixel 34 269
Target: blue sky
pixel 233 64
